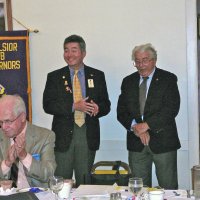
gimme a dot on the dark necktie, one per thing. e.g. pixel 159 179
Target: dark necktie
pixel 14 173
pixel 142 94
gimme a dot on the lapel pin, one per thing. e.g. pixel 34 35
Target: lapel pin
pixel 68 89
pixel 63 77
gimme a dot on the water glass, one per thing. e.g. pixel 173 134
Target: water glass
pixel 56 184
pixel 135 185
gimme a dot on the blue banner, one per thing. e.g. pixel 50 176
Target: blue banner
pixel 15 66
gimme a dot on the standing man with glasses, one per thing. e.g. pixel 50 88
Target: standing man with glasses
pixel 76 95
pixel 147 107
pixel 28 148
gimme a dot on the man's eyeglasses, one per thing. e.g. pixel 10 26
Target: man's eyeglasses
pixel 144 61
pixel 9 122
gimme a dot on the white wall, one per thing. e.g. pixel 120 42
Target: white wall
pixel 111 28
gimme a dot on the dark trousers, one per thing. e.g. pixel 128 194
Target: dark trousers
pixel 78 158
pixel 165 167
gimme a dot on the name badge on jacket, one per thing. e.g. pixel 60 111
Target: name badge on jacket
pixel 90 83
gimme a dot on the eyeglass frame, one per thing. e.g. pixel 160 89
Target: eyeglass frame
pixel 9 122
pixel 144 61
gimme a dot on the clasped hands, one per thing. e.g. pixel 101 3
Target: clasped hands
pixel 17 150
pixel 89 107
pixel 141 131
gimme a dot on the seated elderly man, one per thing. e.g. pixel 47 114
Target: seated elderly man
pixel 26 151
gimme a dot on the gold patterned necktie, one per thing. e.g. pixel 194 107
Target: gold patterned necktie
pixel 79 116
pixel 142 94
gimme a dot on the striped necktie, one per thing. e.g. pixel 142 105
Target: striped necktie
pixel 79 116
pixel 142 94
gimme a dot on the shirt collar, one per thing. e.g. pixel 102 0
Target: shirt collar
pixel 23 133
pixel 150 75
pixel 81 70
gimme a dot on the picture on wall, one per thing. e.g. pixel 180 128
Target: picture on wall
pixel 2 17
pixel 5 15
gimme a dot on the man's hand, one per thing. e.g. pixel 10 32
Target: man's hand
pixel 95 110
pixel 91 108
pixel 19 146
pixel 11 156
pixel 145 138
pixel 140 128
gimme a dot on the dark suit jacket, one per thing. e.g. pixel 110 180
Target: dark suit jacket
pixel 58 102
pixel 161 108
pixel 38 140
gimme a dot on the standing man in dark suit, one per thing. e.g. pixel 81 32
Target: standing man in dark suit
pixel 76 143
pixel 151 131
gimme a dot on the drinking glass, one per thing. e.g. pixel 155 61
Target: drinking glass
pixel 55 184
pixel 135 185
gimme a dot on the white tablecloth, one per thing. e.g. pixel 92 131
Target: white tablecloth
pixel 102 192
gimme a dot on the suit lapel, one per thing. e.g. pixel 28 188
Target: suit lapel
pixel 89 76
pixel 132 95
pixel 66 82
pixel 153 88
pixel 68 77
pixel 136 83
pixel 30 138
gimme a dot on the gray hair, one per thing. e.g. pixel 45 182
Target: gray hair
pixel 145 48
pixel 78 39
pixel 18 103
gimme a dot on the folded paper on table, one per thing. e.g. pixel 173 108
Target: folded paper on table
pixel 98 191
pixel 175 194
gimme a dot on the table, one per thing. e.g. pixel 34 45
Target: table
pixel 102 192
pixel 98 192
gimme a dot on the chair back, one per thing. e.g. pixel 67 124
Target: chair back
pixel 108 173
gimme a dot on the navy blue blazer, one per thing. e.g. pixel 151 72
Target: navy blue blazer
pixel 58 101
pixel 161 108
